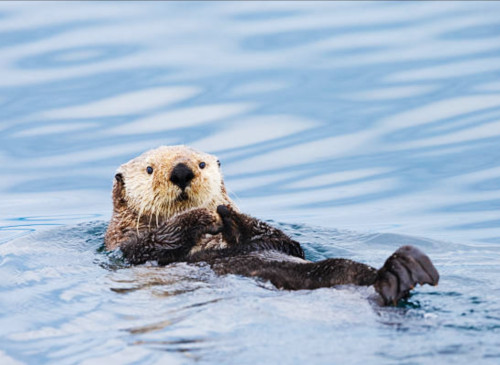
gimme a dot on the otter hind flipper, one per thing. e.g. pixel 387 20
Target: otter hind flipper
pixel 402 271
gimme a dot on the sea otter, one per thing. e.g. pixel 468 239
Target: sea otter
pixel 170 204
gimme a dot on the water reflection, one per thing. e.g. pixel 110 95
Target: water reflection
pixel 76 56
pixel 373 117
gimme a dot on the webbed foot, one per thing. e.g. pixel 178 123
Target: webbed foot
pixel 404 269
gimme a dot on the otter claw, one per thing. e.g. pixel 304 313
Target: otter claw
pixel 407 267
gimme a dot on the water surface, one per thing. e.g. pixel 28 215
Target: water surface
pixel 356 127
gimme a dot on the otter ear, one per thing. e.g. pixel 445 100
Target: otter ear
pixel 119 190
pixel 119 178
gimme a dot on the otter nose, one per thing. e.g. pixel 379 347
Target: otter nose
pixel 181 176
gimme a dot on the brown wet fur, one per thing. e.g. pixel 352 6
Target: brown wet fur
pixel 150 223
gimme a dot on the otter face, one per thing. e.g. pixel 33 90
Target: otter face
pixel 169 180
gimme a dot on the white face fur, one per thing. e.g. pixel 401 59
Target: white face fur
pixel 151 194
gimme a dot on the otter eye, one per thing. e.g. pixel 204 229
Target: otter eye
pixel 202 165
pixel 149 169
pixel 218 163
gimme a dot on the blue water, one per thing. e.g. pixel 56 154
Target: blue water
pixel 356 127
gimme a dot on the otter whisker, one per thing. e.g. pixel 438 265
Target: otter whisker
pixel 150 219
pixel 156 217
pixel 236 197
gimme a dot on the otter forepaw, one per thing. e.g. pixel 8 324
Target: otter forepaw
pixel 402 271
pixel 204 221
pixel 225 214
pixel 186 228
pixel 230 224
pixel 203 217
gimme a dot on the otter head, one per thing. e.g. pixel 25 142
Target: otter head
pixel 165 181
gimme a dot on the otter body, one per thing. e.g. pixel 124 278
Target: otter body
pixel 170 205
